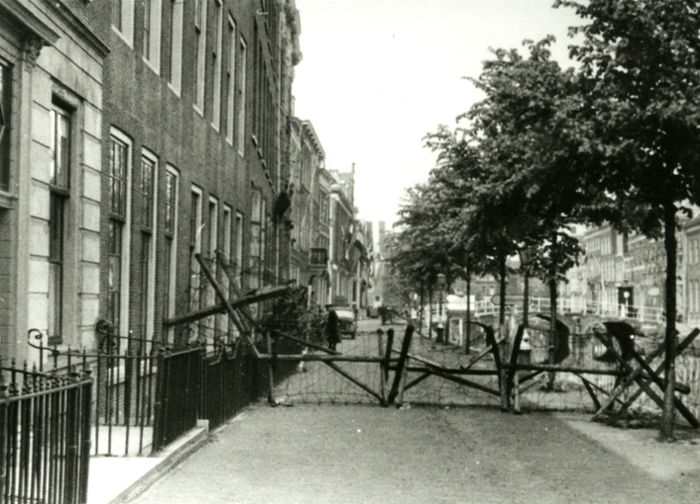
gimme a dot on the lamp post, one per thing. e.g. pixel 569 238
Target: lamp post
pixel 441 326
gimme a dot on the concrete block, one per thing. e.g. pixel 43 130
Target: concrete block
pixel 91 215
pixel 38 275
pixel 88 338
pixel 39 200
pixel 92 184
pixel 93 121
pixel 92 152
pixel 39 162
pixel 42 89
pixel 38 309
pixel 89 309
pixel 90 246
pixel 90 278
pixel 41 125
pixel 38 237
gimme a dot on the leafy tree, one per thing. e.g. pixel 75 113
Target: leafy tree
pixel 530 193
pixel 640 88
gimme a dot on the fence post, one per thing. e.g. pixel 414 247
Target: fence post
pixel 160 403
pixel 3 430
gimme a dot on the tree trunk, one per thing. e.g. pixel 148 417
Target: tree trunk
pixel 502 307
pixel 468 328
pixel 552 311
pixel 670 245
pixel 526 299
pixel 422 308
pixel 430 312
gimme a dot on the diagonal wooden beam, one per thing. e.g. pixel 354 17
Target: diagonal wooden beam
pixel 224 300
pixel 682 409
pixel 352 379
pixel 687 341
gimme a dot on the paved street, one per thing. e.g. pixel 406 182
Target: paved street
pixel 367 454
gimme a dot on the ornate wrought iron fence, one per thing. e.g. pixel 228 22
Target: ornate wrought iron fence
pixel 45 436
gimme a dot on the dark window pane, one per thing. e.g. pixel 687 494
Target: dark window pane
pixel 5 99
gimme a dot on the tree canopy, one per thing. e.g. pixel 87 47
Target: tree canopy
pixel 616 140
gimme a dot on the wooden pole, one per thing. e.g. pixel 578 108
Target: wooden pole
pixel 564 369
pixel 352 379
pixel 681 348
pixel 483 353
pixel 515 352
pixel 406 344
pixel 416 381
pixel 516 398
pixel 626 382
pixel 682 409
pixel 468 383
pixel 387 354
pixel 326 358
pixel 468 328
pixel 271 363
pixel 221 296
pixel 382 378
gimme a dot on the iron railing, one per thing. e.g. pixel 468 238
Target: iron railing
pixel 178 390
pixel 45 436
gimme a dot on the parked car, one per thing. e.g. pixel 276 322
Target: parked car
pixel 347 325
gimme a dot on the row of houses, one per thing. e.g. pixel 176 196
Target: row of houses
pixel 627 273
pixel 135 136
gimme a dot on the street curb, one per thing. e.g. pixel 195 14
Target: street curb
pixel 170 456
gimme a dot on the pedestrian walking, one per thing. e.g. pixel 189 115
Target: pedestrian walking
pixel 332 333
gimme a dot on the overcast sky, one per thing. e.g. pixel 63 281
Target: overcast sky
pixel 378 75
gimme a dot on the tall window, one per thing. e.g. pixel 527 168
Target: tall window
pixel 123 19
pixel 117 294
pixel 213 223
pixel 242 105
pixel 216 57
pixel 151 32
pixel 5 100
pixel 147 259
pixel 176 45
pixel 169 253
pixel 59 180
pixel 200 31
pixel 117 19
pixel 226 251
pixel 230 80
pixel 195 246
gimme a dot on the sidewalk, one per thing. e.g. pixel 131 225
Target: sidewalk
pixel 118 479
pixel 345 454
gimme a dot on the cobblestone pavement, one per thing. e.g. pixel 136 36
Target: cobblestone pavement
pixel 365 454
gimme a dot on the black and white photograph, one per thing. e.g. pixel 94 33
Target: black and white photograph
pixel 349 251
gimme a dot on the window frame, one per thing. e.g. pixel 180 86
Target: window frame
pixel 151 47
pixel 231 81
pixel 123 223
pixel 126 30
pixel 149 223
pixel 6 89
pixel 217 60
pixel 170 232
pixel 242 97
pixel 176 40
pixel 200 29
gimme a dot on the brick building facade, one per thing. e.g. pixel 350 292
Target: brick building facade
pixel 134 135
